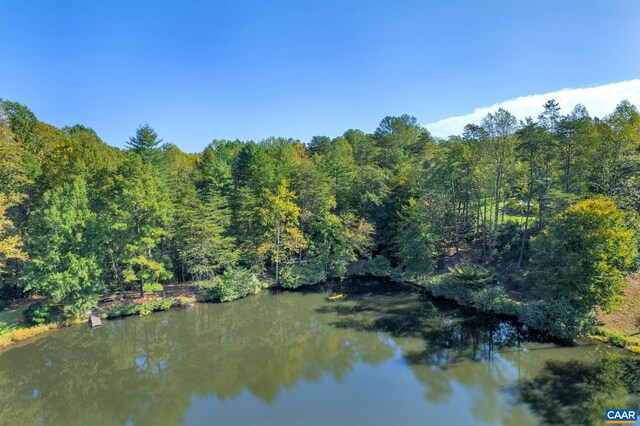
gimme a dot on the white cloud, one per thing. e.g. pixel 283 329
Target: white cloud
pixel 599 100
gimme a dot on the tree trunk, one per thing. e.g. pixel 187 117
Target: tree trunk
pixel 497 212
pixel 115 271
pixel 526 219
pixel 484 228
pixel 455 221
pixel 278 255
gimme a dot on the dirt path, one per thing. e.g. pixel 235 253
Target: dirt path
pixel 623 320
pixel 108 301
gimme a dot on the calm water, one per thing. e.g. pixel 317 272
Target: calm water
pixel 384 355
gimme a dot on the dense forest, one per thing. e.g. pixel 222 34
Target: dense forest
pixel 544 209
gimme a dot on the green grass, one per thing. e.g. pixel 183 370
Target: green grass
pixel 11 319
pixel 515 217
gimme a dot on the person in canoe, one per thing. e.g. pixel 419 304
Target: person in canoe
pixel 335 296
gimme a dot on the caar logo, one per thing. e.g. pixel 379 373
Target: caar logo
pixel 626 416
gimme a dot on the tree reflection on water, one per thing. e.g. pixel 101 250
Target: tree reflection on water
pixel 147 370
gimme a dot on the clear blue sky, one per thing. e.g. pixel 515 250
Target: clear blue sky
pixel 198 70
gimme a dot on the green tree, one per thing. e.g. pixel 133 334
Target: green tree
pixel 253 172
pixel 17 167
pixel 140 216
pixel 337 163
pixel 319 144
pixel 416 245
pixel 399 137
pixel 583 254
pixel 532 142
pixel 63 263
pixel 201 224
pixel 145 143
pixel 22 121
pixel 500 145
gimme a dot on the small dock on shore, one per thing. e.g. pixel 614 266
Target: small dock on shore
pixel 95 321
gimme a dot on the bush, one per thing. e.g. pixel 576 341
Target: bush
pixel 79 307
pixel 142 309
pixel 233 284
pixel 37 313
pixel 555 317
pixel 184 300
pixel 617 339
pixel 294 276
pixel 445 286
pixel 558 318
pixel 152 287
pixel 508 242
pixel 380 266
pixel 471 276
pixel 25 333
pixel 238 283
pixel 208 290
pixel 156 305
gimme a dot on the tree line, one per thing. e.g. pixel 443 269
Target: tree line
pixel 550 202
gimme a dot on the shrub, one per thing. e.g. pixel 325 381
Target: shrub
pixel 37 313
pixel 380 266
pixel 445 286
pixel 142 309
pixel 79 307
pixel 152 287
pixel 184 300
pixel 238 283
pixel 555 317
pixel 558 318
pixel 233 284
pixel 474 277
pixel 616 339
pixel 508 242
pixel 294 276
pixel 208 290
pixel 25 333
pixel 156 305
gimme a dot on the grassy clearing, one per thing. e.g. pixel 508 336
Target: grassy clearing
pixel 621 328
pixel 11 320
pixel 13 328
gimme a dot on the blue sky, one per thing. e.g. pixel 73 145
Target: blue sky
pixel 198 70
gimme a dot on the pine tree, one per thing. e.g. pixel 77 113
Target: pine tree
pixel 201 225
pixel 145 143
pixel 140 220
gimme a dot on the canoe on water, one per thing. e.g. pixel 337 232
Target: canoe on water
pixel 335 296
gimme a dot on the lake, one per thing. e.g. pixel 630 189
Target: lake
pixel 384 355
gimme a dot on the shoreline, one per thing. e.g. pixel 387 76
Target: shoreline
pixel 185 294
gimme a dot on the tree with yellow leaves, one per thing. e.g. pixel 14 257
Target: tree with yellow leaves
pixel 281 216
pixel 10 241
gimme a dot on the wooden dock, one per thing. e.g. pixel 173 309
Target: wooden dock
pixel 95 321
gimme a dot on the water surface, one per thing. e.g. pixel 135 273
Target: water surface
pixel 384 355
